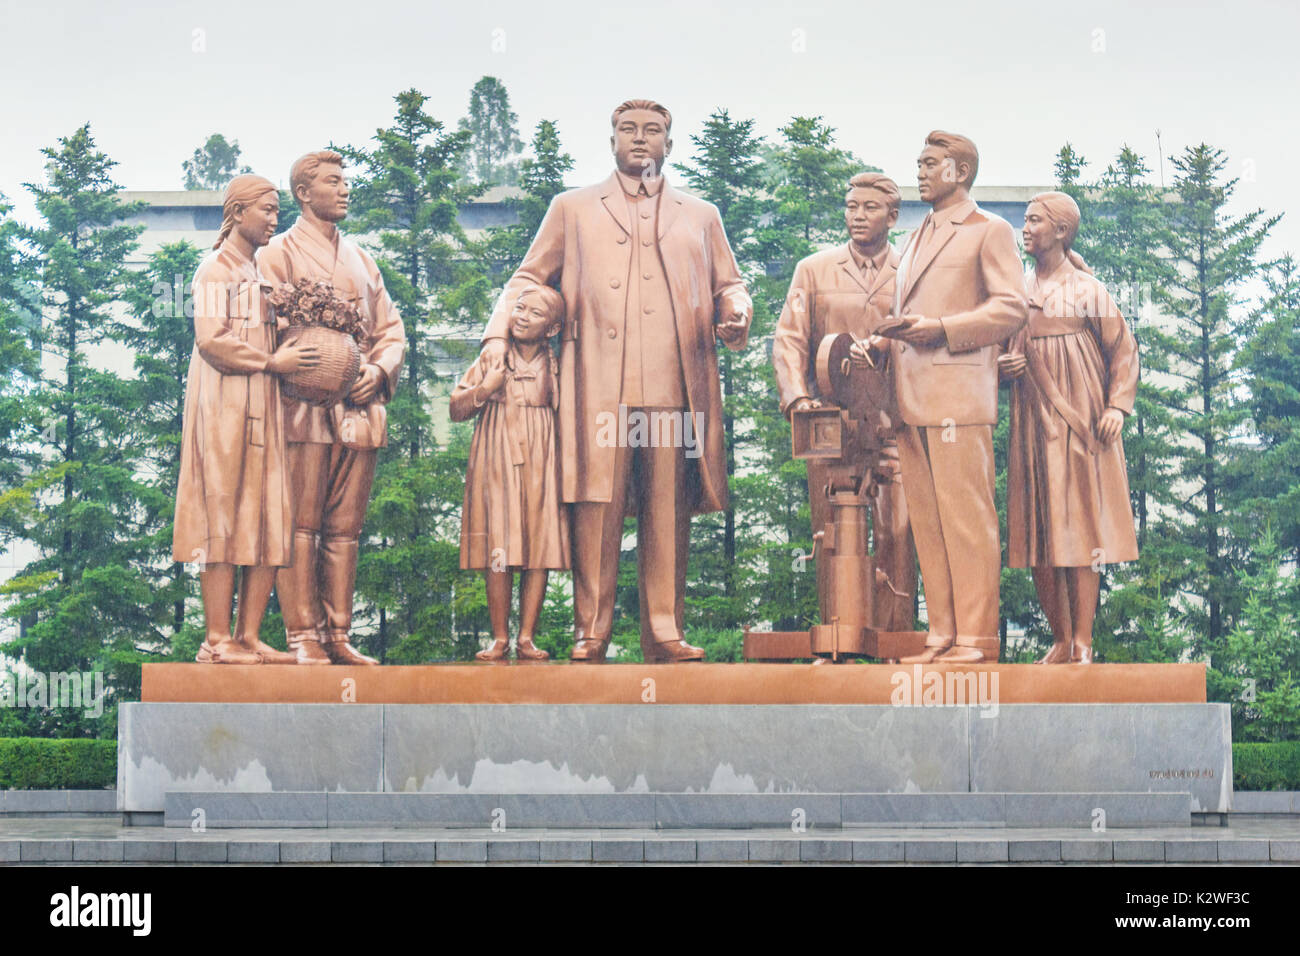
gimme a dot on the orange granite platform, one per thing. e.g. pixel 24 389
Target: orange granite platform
pixel 612 683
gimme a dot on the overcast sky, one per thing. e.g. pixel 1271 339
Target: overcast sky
pixel 1020 78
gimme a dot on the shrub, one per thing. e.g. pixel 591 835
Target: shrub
pixel 36 763
pixel 1266 766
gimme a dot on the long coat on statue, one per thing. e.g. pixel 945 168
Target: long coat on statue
pixel 583 248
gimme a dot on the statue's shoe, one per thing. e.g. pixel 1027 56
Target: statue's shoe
pixel 229 651
pixel 496 653
pixel 269 654
pixel 1057 654
pixel 930 654
pixel 529 653
pixel 341 652
pixel 589 651
pixel 671 652
pixel 308 651
pixel 958 654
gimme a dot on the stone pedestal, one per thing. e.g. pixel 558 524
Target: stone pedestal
pixel 656 748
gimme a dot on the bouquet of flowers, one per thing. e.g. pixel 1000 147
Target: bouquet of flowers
pixel 317 316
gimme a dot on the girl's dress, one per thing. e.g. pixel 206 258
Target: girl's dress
pixel 512 517
pixel 1067 493
pixel 232 498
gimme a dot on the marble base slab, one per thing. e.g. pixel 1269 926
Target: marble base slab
pixel 682 749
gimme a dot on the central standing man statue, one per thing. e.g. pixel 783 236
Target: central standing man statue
pixel 332 451
pixel 650 286
pixel 961 291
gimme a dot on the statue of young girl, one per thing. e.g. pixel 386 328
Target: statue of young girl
pixel 513 518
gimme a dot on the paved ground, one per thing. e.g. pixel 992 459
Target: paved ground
pixel 1248 841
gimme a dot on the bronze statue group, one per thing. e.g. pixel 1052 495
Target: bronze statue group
pixel 638 283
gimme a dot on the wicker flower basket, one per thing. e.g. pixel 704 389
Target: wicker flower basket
pixel 333 378
pixel 318 316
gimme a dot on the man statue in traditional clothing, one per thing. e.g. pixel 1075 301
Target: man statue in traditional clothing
pixel 332 450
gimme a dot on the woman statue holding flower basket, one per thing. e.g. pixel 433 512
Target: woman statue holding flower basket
pixel 331 295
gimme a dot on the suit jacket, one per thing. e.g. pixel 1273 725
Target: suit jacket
pixel 970 276
pixel 827 296
pixel 583 249
pixel 305 252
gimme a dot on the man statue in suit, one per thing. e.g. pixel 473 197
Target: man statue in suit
pixel 332 451
pixel 650 287
pixel 961 292
pixel 850 289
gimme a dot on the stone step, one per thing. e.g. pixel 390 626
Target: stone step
pixel 1266 801
pixel 668 846
pixel 52 802
pixel 675 811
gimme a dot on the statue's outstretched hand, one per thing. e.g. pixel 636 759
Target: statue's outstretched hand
pixel 922 331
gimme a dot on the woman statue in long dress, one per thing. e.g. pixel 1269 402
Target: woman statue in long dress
pixel 232 498
pixel 1073 371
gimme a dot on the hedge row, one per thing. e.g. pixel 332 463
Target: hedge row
pixel 1266 766
pixel 37 763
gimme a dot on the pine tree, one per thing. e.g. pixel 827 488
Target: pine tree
pixel 493 129
pixel 213 164
pixel 1125 240
pixel 727 171
pixel 541 178
pixel 808 174
pixel 1212 253
pixel 159 330
pixel 1069 165
pixel 84 601
pixel 406 194
pixel 1258 669
pixel 19 369
pixel 1270 363
pixel 21 483
pixel 289 211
